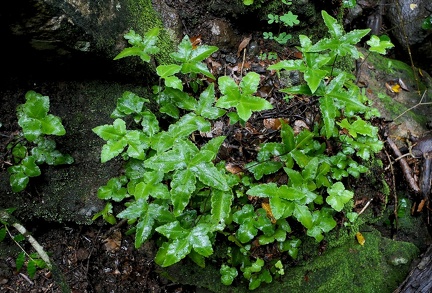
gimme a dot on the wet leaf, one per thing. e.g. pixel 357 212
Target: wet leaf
pixel 338 196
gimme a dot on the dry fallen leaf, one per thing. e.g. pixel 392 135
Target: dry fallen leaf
pixel 196 41
pixel 298 55
pixel 243 44
pixel 234 169
pixel 272 123
pixel 269 212
pixel 113 242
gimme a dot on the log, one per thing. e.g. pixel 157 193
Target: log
pixel 419 279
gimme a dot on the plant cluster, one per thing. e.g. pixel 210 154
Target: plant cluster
pixel 179 194
pixel 32 147
pixel 287 20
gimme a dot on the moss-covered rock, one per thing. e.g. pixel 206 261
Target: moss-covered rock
pixel 380 265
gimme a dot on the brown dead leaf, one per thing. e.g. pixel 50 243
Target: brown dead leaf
pixel 233 169
pixel 272 123
pixel 243 44
pixel 299 125
pixel 298 55
pixel 196 41
pixel 113 242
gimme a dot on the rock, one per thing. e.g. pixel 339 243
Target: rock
pixel 68 193
pixel 63 30
pixel 222 35
pixel 398 107
pixel 410 15
pixel 347 268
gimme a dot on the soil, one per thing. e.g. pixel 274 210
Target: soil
pixel 102 258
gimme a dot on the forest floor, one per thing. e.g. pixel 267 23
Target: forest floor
pixel 100 258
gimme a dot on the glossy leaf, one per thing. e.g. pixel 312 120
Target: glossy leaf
pixel 141 47
pixel 208 174
pixel 338 196
pixel 205 106
pixel 379 46
pixel 241 97
pixel 329 112
pixel 182 186
pixel 130 103
pixel 228 274
pixel 113 189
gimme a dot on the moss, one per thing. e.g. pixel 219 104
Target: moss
pixel 396 108
pixel 378 266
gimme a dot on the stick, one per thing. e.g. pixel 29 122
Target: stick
pixel 405 167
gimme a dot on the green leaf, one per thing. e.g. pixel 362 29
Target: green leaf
pixel 149 123
pixel 116 131
pixel 334 28
pixel 113 189
pixel 379 46
pixel 107 214
pixel 112 148
pixel 142 47
pixel 167 161
pixel 338 196
pixel 18 180
pixel 241 98
pixel 208 174
pixel 45 152
pixel 180 98
pixel 182 187
pixel 29 167
pixel 359 126
pixel 167 70
pixel 138 143
pixel 221 202
pixel 173 230
pixel 130 103
pixel 289 19
pixel 228 274
pixel 263 168
pixel 202 52
pixel 313 77
pixel 34 118
pixel 329 112
pixel 249 83
pixel 172 252
pixel 19 262
pixel 2 234
pixel 205 107
pixel 303 215
pixel 200 240
pixel 289 65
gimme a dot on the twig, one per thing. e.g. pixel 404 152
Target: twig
pixel 243 62
pixel 405 167
pixel 58 276
pixel 365 207
pixel 415 106
pixel 395 197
